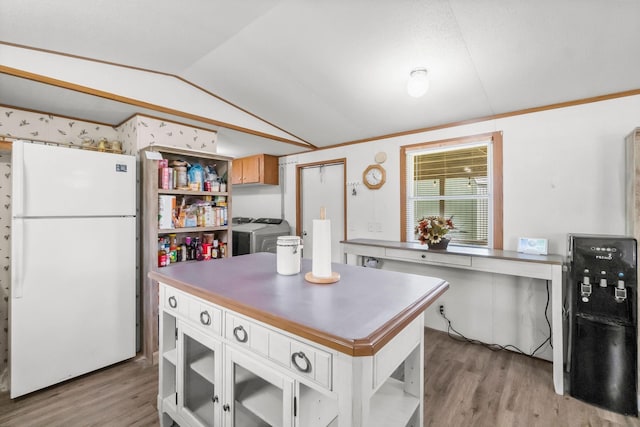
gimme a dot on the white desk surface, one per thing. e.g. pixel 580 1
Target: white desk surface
pixel 462 250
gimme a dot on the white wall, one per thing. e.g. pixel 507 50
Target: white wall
pixel 257 201
pixel 563 173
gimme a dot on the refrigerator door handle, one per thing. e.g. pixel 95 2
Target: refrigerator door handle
pixel 17 190
pixel 17 255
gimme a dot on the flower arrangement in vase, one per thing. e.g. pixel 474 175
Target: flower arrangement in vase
pixel 432 229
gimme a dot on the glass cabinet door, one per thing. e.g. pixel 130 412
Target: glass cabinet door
pixel 256 395
pixel 201 379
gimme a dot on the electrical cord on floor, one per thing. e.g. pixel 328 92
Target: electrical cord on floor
pixel 497 347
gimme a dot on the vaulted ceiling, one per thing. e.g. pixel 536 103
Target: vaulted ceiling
pixel 316 73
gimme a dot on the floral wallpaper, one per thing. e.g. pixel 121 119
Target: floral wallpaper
pixel 128 134
pixel 134 134
pixel 152 131
pixel 46 127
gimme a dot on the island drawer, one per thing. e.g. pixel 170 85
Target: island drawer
pixel 206 316
pixel 303 359
pixel 246 333
pixel 175 301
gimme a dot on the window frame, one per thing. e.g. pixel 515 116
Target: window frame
pixel 495 199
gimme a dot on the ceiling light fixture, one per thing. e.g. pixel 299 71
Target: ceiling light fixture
pixel 418 82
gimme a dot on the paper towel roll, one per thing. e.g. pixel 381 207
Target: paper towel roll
pixel 321 255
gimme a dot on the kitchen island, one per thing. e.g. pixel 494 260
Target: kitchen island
pixel 242 345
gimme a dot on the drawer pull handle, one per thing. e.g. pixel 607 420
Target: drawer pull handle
pixel 240 330
pixel 214 399
pixel 423 256
pixel 226 407
pixel 173 303
pixel 205 318
pixel 307 365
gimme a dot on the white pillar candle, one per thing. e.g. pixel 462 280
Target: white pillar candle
pixel 321 255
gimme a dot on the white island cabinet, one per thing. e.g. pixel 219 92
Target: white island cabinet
pixel 244 346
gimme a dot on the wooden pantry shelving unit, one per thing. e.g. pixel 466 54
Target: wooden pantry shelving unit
pixel 151 232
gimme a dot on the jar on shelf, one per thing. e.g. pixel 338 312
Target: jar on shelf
pixel 103 144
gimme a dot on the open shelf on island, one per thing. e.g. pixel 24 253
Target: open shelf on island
pixel 316 409
pixel 170 402
pixel 171 356
pixel 391 405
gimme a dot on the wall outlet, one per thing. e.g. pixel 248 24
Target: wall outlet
pixel 441 309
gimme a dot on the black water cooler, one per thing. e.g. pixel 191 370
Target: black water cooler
pixel 602 350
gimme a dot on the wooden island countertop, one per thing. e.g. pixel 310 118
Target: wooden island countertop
pixel 357 315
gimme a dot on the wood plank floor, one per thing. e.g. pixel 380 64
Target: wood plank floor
pixel 121 395
pixel 469 385
pixel 466 385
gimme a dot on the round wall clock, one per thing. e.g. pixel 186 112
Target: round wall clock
pixel 374 176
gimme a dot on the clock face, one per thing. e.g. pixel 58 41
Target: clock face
pixel 374 176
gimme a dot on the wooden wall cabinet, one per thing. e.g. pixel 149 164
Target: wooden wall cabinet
pixel 258 169
pixel 152 232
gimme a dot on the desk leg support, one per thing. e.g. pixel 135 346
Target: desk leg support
pixel 353 259
pixel 558 329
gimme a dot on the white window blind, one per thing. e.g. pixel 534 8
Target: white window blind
pixel 451 182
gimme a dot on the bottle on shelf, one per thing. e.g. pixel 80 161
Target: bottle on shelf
pixel 200 216
pixel 215 249
pixel 167 251
pixel 191 250
pixel 173 248
pixel 184 256
pixel 162 254
pixel 199 251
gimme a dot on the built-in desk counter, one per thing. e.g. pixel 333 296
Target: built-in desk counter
pixel 546 267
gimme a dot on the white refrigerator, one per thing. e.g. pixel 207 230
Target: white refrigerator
pixel 72 306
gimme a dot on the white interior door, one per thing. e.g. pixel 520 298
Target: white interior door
pixel 323 186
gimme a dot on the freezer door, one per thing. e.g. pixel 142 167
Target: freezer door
pixel 59 181
pixel 73 310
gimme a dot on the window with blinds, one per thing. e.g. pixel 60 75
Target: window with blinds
pixel 451 182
